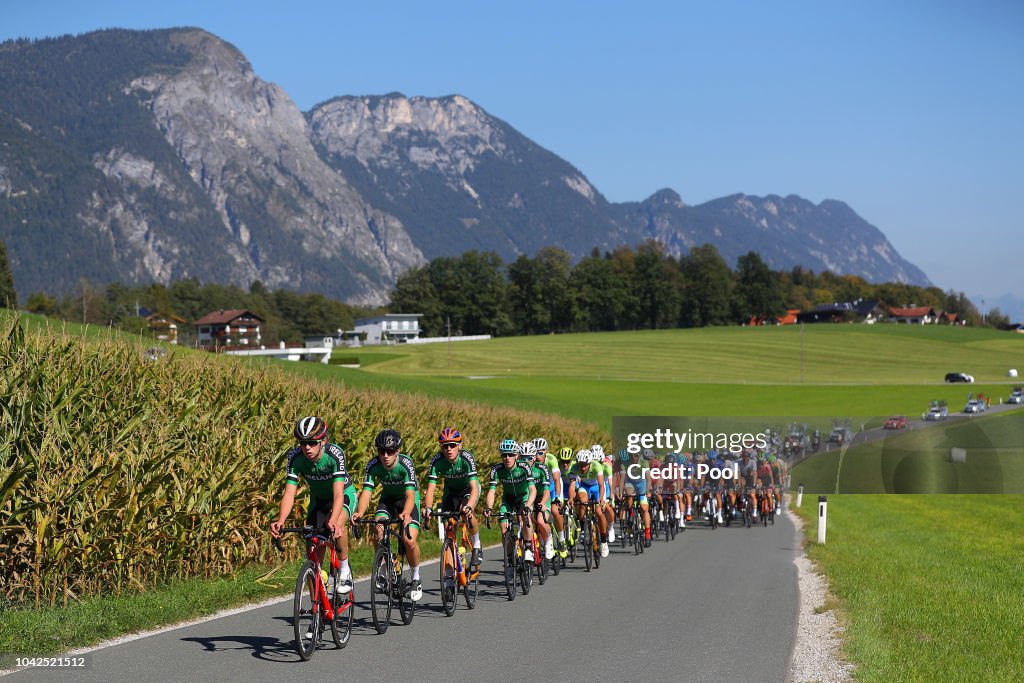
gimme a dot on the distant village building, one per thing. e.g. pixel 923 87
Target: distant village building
pixel 913 315
pixel 233 327
pixel 868 312
pixel 164 326
pixel 390 328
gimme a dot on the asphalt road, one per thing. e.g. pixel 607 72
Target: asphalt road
pixel 709 606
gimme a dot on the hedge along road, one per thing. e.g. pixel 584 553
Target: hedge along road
pixel 711 605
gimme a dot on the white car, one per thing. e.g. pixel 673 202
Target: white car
pixel 937 411
pixel 975 405
pixel 1016 396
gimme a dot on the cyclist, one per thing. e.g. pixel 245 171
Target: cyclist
pixel 673 486
pixel 531 460
pixel 606 461
pixel 589 485
pixel 331 492
pixel 765 480
pixel 457 468
pixel 555 489
pixel 563 494
pixel 518 491
pixel 399 497
pixel 634 481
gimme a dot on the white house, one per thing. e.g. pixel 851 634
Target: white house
pixel 392 327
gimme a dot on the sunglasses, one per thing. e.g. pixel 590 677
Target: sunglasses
pixel 508 455
pixel 387 451
pixel 449 445
pixel 306 442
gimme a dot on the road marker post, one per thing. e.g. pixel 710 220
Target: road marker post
pixel 822 515
pixel 800 495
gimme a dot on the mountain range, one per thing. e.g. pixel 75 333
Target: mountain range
pixel 149 156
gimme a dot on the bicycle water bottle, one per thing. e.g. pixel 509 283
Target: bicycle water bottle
pixel 462 557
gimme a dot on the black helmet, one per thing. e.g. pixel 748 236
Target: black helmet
pixel 310 428
pixel 388 439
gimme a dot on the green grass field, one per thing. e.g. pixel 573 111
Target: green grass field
pixel 929 586
pixel 926 583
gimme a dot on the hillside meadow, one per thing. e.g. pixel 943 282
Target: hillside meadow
pixel 179 459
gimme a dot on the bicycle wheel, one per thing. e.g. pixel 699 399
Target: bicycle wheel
pixel 344 607
pixel 508 561
pixel 306 611
pixel 472 587
pixel 406 607
pixel 637 533
pixel 596 543
pixel 624 524
pixel 525 575
pixel 382 586
pixel 588 546
pixel 573 536
pixel 449 577
pixel 748 516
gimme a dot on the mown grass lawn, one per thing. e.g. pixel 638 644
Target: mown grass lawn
pixel 929 586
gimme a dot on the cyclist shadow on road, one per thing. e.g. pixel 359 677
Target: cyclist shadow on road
pixel 262 647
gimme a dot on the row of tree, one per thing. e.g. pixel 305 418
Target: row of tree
pixel 288 315
pixel 477 293
pixel 627 289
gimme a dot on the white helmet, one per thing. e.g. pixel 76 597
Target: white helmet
pixel 528 449
pixel 583 456
pixel 541 444
pixel 598 450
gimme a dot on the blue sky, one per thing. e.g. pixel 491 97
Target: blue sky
pixel 911 112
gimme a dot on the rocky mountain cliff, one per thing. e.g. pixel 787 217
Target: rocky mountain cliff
pixel 784 231
pixel 150 156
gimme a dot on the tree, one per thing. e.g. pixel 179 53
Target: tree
pixel 655 287
pixel 757 291
pixel 415 293
pixel 707 290
pixel 41 303
pixel 8 296
pixel 599 294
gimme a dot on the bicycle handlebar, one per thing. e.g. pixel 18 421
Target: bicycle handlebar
pixel 306 531
pixel 387 522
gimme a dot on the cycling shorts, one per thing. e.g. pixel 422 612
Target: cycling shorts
pixel 319 512
pixel 391 508
pixel 592 489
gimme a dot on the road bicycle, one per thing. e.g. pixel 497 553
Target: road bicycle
pixel 455 572
pixel 766 506
pixel 540 561
pixel 314 605
pixel 572 530
pixel 590 538
pixel 513 559
pixel 668 519
pixel 389 583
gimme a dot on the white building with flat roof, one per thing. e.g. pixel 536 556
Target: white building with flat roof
pixel 390 328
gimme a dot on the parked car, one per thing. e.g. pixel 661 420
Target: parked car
pixel 896 422
pixel 937 411
pixel 959 377
pixel 1016 396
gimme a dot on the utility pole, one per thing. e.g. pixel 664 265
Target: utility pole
pixel 448 322
pixel 801 353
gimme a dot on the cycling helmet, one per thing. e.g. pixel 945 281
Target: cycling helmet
pixel 672 458
pixel 388 439
pixel 528 449
pixel 541 444
pixel 624 455
pixel 583 456
pixel 310 428
pixel 648 454
pixel 449 434
pixel 508 446
pixel 598 450
pixel 565 454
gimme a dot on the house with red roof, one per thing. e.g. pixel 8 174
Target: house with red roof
pixel 913 315
pixel 232 327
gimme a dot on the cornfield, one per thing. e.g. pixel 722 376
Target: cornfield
pixel 118 472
